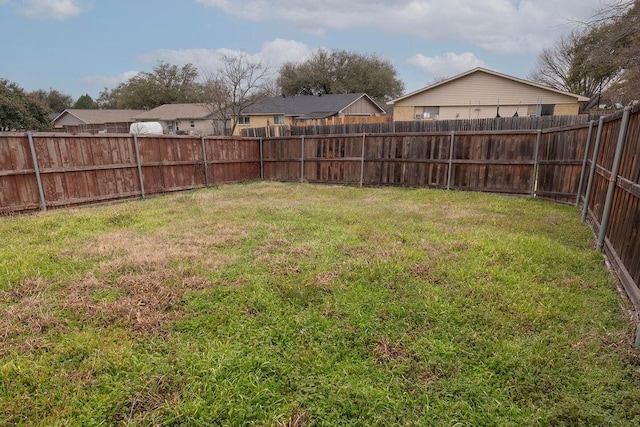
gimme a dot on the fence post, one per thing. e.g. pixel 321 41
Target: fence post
pixel 613 178
pixel 36 167
pixel 364 136
pixel 449 172
pixel 584 162
pixel 592 171
pixel 536 165
pixel 261 161
pixel 205 161
pixel 302 158
pixel 135 143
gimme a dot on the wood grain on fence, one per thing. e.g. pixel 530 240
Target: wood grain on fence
pixel 84 169
pixel 421 126
pixel 18 186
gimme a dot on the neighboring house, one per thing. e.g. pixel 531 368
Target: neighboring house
pixel 94 121
pixel 482 93
pixel 303 109
pixel 184 119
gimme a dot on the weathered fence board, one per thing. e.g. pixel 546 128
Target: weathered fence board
pixel 83 169
pixel 561 155
pixel 232 160
pixel 422 126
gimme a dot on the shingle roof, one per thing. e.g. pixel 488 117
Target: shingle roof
pixel 579 98
pixel 97 117
pixel 176 111
pixel 304 104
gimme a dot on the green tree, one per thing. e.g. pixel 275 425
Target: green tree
pixel 341 72
pixel 53 99
pixel 166 84
pixel 20 112
pixel 85 102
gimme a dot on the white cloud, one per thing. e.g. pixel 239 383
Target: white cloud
pixel 503 26
pixel 445 65
pixel 51 9
pixel 277 52
pixel 273 54
pixel 103 81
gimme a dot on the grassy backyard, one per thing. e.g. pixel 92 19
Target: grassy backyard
pixel 288 304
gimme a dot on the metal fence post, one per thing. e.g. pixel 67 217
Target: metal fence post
pixel 364 136
pixel 592 171
pixel 137 148
pixel 450 171
pixel 584 162
pixel 302 158
pixel 205 162
pixel 536 165
pixel 36 167
pixel 613 178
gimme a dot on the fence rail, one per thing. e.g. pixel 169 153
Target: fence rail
pixel 596 165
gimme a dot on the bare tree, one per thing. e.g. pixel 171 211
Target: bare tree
pixel 237 84
pixel 572 65
pixel 619 25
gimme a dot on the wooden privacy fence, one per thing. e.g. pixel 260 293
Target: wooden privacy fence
pixel 611 195
pixel 595 164
pixel 538 163
pixel 40 171
pixel 382 125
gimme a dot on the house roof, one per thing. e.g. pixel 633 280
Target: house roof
pixel 91 117
pixel 176 112
pixel 579 98
pixel 305 105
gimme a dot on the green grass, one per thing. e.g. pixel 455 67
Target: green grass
pixel 287 304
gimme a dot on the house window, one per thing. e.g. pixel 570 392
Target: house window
pixel 547 109
pixel 243 120
pixel 278 120
pixel 192 123
pixel 170 125
pixel 426 113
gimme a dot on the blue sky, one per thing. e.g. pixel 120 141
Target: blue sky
pixel 82 46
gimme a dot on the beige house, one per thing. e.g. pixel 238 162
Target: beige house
pixel 183 119
pixel 307 109
pixel 95 121
pixel 482 93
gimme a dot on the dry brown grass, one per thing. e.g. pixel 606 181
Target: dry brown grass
pixel 29 313
pixel 299 419
pixel 385 351
pixel 144 303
